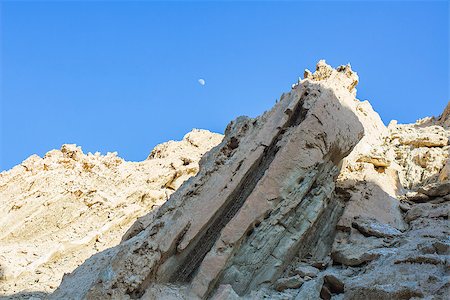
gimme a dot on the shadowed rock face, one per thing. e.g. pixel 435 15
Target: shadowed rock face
pixel 263 197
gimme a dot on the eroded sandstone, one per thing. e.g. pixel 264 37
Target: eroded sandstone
pixel 294 204
pixel 59 210
pixel 263 197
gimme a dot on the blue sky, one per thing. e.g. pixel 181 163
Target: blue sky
pixel 123 76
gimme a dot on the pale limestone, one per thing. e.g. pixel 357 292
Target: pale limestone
pixel 58 210
pixel 264 203
pixel 267 189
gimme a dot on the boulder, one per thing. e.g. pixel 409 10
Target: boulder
pixel 438 189
pixel 334 283
pixel 371 227
pixel 306 270
pixel 310 290
pixel 293 282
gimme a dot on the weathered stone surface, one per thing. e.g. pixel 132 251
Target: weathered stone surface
pixel 225 292
pixel 354 249
pixel 428 210
pixel 409 269
pixel 271 235
pixel 310 290
pixel 293 282
pixel 369 179
pixel 321 264
pixel 444 175
pixel 371 227
pixel 57 211
pixel 438 189
pixel 376 160
pixel 260 199
pixel 305 270
pixel 373 197
pixel 417 197
pixel 421 152
pixel 430 136
pixel 444 119
pixel 334 283
pixel 405 205
pixel 350 255
pixel 266 206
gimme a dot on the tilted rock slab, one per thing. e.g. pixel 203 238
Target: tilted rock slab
pixel 262 197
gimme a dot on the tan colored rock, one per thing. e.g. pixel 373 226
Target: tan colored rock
pixel 58 210
pixel 371 194
pixel 266 206
pixel 444 119
pixel 429 136
pixel 262 197
pixel 369 181
pixel 421 151
pixel 343 76
pixel 445 172
pixel 410 268
pixel 376 160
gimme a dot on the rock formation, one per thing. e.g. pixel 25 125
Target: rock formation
pixel 59 210
pixel 314 199
pixel 263 198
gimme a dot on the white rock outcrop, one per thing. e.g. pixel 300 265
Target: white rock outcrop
pixel 57 211
pixel 263 198
pixel 314 199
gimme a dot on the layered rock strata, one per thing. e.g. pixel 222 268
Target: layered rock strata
pixel 264 196
pixel 295 204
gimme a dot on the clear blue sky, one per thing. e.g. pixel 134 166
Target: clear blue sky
pixel 123 76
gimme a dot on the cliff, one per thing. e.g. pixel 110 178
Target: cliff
pixel 314 199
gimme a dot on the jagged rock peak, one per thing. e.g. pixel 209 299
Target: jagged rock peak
pixel 263 198
pixel 341 76
pixel 297 203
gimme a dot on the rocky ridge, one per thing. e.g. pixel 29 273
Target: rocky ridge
pixel 295 204
pixel 314 199
pixel 59 210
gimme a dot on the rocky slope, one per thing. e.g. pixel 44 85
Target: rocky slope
pixel 297 203
pixel 59 210
pixel 314 199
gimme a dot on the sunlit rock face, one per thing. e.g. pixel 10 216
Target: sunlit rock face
pixel 262 199
pixel 314 199
pixel 59 210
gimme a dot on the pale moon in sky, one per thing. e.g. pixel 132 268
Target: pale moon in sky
pixel 201 81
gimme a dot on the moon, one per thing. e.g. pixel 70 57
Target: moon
pixel 202 81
